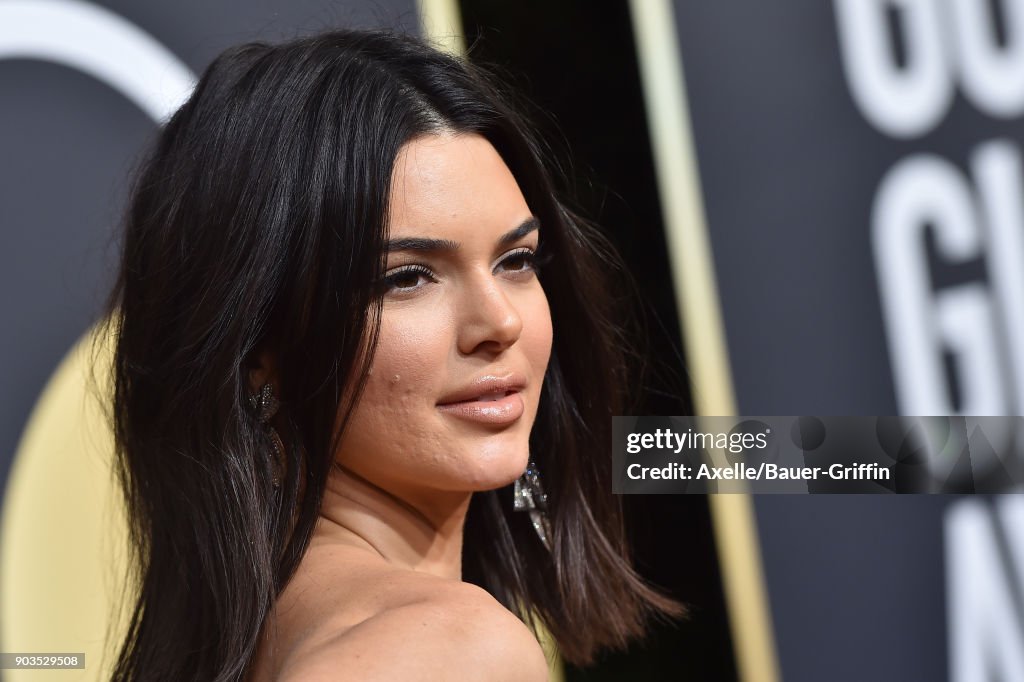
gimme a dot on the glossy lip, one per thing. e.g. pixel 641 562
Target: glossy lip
pixel 465 402
pixel 488 383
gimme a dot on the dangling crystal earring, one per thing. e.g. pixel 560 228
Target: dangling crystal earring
pixel 266 406
pixel 528 495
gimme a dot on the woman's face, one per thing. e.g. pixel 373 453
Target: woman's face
pixel 465 330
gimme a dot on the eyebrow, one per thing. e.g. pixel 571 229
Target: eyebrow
pixel 428 244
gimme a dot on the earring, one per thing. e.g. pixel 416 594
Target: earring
pixel 528 495
pixel 266 406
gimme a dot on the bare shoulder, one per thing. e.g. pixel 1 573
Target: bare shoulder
pixel 457 633
pixel 396 624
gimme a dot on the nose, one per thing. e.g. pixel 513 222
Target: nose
pixel 488 320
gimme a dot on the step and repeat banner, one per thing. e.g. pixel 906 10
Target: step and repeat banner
pixel 861 172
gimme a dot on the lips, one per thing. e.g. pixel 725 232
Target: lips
pixel 488 399
pixel 496 395
pixel 492 397
pixel 487 388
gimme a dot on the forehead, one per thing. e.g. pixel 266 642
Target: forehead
pixel 445 184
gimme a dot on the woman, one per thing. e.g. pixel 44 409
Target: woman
pixel 350 313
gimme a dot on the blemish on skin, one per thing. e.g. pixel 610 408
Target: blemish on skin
pixel 395 379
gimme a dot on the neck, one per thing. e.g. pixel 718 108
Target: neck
pixel 416 535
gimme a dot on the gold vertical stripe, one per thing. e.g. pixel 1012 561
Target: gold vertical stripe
pixel 661 70
pixel 441 22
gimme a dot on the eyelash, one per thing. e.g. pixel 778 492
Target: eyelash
pixel 533 261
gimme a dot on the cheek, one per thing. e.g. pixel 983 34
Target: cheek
pixel 402 385
pixel 537 332
pixel 410 352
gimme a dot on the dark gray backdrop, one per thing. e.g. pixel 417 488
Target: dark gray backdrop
pixel 790 168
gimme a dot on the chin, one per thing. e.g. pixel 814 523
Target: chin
pixel 497 469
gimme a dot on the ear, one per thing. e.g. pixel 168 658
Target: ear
pixel 262 368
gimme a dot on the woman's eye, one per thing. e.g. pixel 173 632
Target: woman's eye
pixel 408 278
pixel 524 260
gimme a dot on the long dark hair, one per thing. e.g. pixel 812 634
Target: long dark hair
pixel 257 224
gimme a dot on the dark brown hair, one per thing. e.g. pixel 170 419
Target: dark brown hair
pixel 257 223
